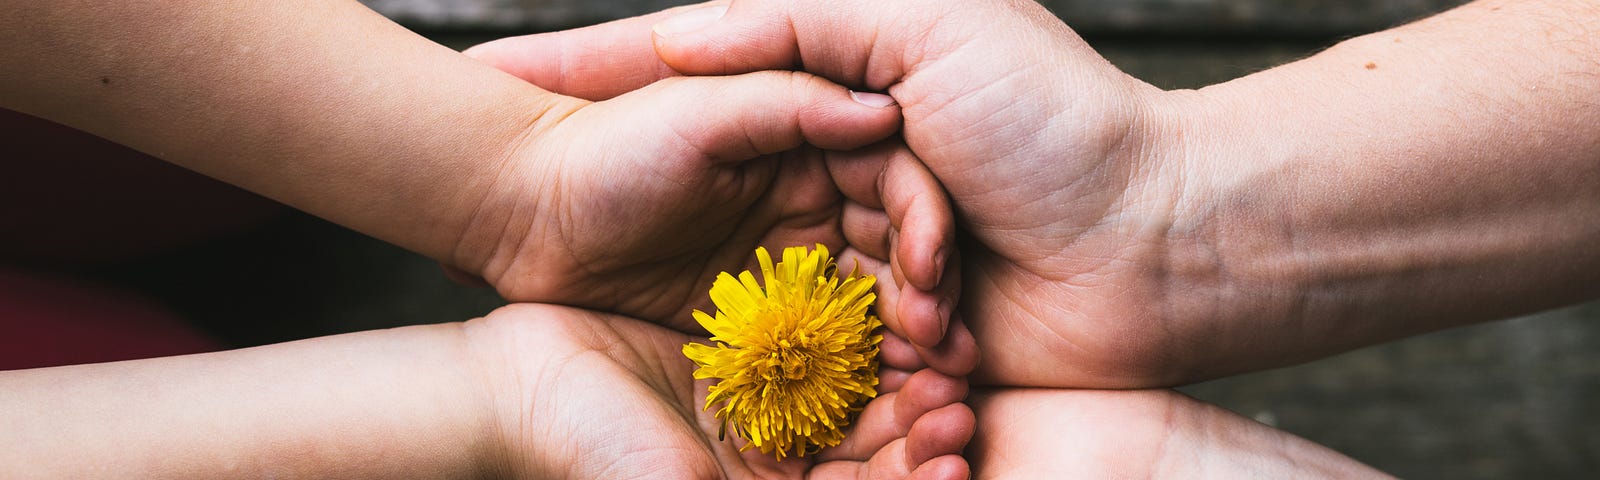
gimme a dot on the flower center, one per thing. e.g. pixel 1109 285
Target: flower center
pixel 789 362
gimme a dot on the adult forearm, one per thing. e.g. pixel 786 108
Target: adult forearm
pixel 1437 174
pixel 323 105
pixel 386 404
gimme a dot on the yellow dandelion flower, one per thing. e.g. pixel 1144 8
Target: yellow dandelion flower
pixel 797 355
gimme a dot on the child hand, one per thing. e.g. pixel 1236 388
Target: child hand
pixel 588 395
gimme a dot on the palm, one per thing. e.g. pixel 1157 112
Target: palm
pixel 1049 187
pixel 643 230
pixel 595 396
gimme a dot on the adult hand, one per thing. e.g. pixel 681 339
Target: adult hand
pixel 588 395
pixel 1050 154
pixel 1128 237
pixel 1045 433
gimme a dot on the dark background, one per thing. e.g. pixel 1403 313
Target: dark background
pixel 1512 399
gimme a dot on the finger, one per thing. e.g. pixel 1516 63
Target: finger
pixel 890 463
pixel 925 315
pixel 867 230
pixel 957 355
pixel 943 431
pixel 948 467
pixel 747 116
pixel 920 230
pixel 886 463
pixel 758 35
pixel 888 291
pixel 594 63
pixel 891 380
pixel 918 210
pixel 858 172
pixel 896 352
pixel 924 392
pixel 893 416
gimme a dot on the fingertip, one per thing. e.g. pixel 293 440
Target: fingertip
pixel 502 54
pixel 944 431
pixel 916 202
pixel 838 120
pixel 874 100
pixel 924 316
pixel 925 391
pixel 690 21
pixel 957 355
pixel 709 40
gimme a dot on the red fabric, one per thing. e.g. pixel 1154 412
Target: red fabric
pixel 48 321
pixel 67 197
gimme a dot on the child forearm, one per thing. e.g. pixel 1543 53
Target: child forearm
pixel 396 403
pixel 324 105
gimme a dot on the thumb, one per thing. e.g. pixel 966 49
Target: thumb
pixel 851 42
pixel 742 117
pixel 593 63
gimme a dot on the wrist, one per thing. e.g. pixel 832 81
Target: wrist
pixel 494 214
pixel 1229 265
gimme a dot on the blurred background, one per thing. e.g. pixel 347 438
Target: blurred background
pixel 1512 399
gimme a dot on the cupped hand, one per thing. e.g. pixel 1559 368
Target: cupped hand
pixel 1060 166
pixel 588 395
pixel 634 203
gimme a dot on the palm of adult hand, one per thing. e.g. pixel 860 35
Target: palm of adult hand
pixel 587 395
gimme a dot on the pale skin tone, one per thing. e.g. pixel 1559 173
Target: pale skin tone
pixel 631 205
pixel 1059 433
pixel 412 143
pixel 1169 236
pixel 552 392
pixel 528 392
pixel 1438 174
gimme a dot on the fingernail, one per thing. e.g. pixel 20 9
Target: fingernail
pixel 942 312
pixel 939 258
pixel 874 100
pixel 690 21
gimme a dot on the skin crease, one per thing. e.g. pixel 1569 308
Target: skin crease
pixel 1120 236
pixel 525 188
pixel 530 391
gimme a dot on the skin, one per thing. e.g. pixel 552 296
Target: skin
pixel 1120 236
pixel 528 392
pixel 330 108
pixel 1051 433
pixel 631 205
